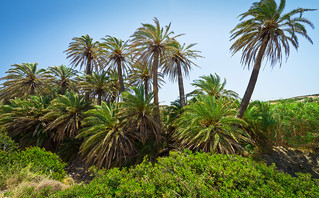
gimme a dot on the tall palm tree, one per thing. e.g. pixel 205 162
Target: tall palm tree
pixel 106 143
pixel 114 86
pixel 97 84
pixel 152 43
pixel 211 126
pixel 141 74
pixel 64 115
pixel 23 80
pixel 212 85
pixel 117 54
pixel 178 63
pixel 63 76
pixel 266 33
pixel 84 52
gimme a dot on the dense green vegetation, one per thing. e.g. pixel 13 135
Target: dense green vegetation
pixel 110 116
pixel 22 169
pixel 290 123
pixel 184 174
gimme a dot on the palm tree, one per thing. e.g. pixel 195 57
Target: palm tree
pixel 141 74
pixel 211 126
pixel 22 120
pixel 84 52
pixel 63 76
pixel 114 86
pixel 23 80
pixel 117 53
pixel 97 84
pixel 266 33
pixel 213 86
pixel 178 63
pixel 106 142
pixel 136 112
pixel 152 43
pixel 64 115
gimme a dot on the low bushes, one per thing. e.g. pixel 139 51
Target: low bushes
pixel 6 142
pixel 28 165
pixel 196 175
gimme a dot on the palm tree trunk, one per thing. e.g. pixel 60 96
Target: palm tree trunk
pixel 253 79
pixel 32 92
pixel 99 99
pixel 88 72
pixel 155 87
pixel 63 89
pixel 146 86
pixel 180 85
pixel 119 71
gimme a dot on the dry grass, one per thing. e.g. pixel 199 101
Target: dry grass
pixel 17 184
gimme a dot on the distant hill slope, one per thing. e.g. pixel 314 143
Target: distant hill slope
pixel 297 98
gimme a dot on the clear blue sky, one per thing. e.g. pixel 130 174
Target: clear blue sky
pixel 40 30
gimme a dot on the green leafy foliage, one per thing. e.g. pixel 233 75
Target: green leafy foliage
pixel 106 142
pixel 265 22
pixel 64 115
pixel 285 123
pixel 97 84
pixel 210 125
pixel 83 52
pixel 212 85
pixel 62 77
pixel 22 120
pixel 196 175
pixel 23 80
pixel 6 143
pixel 41 161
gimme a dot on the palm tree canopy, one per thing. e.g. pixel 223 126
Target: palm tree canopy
pixel 265 21
pixel 140 72
pixel 64 115
pixel 117 54
pixel 212 85
pixel 63 76
pixel 114 86
pixel 22 120
pixel 136 112
pixel 83 51
pixel 23 80
pixel 211 126
pixel 97 84
pixel 116 50
pixel 182 55
pixel 106 142
pixel 149 39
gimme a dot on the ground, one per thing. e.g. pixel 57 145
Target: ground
pixel 291 160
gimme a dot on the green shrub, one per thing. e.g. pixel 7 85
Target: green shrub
pixel 41 161
pixel 6 143
pixel 196 175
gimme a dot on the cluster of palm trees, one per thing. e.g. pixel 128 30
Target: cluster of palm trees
pixel 109 131
pixel 111 113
